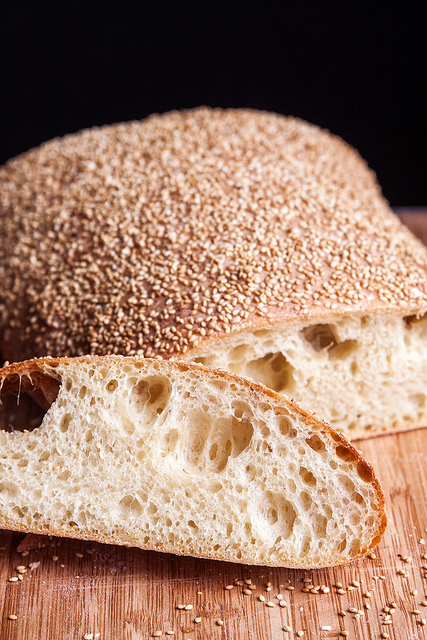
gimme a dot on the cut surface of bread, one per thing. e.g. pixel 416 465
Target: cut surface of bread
pixel 183 459
pixel 361 375
pixel 239 237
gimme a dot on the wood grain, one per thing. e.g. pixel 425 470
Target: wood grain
pixel 77 588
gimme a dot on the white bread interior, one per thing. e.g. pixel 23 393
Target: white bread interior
pixel 361 374
pixel 183 459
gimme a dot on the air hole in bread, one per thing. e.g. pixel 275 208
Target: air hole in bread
pixel 170 442
pixel 82 392
pixel 320 526
pixel 307 477
pixel 241 409
pixel 365 472
pixel 285 425
pixel 320 336
pixel 316 444
pixel 131 505
pixel 306 500
pixel 343 350
pixel 20 413
pixel 279 511
pixel 272 370
pixel 112 386
pixel 192 524
pixel 9 488
pixel 345 454
pixel 151 393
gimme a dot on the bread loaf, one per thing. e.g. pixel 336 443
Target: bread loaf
pixel 184 459
pixel 240 239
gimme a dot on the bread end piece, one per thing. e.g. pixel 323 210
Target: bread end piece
pixel 184 459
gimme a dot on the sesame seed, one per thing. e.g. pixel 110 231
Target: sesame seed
pixel 423 603
pixel 55 558
pixel 247 581
pixel 372 555
pixel 24 553
pixel 287 628
pixel 170 633
pixel 12 616
pixel 352 610
pixel 79 555
pixel 188 607
pixel 198 619
pixel 290 588
pixel 344 633
pixel 300 634
pixel 261 598
pixel 341 592
pixel 355 583
pixel 157 634
pixel 270 604
pixel 247 592
pixel 229 587
pixel 415 612
pixel 88 636
pixel 220 623
pixel 282 603
pixel 13 579
pixel 342 613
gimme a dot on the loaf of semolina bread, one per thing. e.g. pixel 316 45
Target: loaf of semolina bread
pixel 180 458
pixel 243 240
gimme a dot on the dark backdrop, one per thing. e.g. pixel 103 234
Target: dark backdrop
pixel 355 68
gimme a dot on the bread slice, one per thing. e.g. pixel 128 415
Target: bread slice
pixel 243 239
pixel 183 459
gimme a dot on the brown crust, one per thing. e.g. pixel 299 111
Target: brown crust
pixel 44 370
pixel 158 237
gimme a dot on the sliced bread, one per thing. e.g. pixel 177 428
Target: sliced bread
pixel 184 459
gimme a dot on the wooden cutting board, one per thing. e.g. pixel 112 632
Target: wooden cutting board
pixel 68 589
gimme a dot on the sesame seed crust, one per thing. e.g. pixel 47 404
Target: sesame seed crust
pixel 153 238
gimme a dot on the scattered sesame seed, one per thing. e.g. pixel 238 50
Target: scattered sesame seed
pixel 415 612
pixel 341 592
pixel 384 635
pixel 157 634
pixel 270 604
pixel 88 636
pixel 423 603
pixel 261 598
pixel 352 610
pixel 300 633
pixel 338 585
pixel 220 623
pixel 367 606
pixel 372 555
pixel 287 628
pixel 55 558
pixel 13 579
pixel 342 613
pixel 282 603
pixel 414 592
pixel 247 592
pixel 188 607
pixel 228 587
pixel 198 619
pixel 290 588
pixel 170 633
pixel 62 566
pixel 79 555
pixel 12 616
pixel 344 633
pixel 279 596
pixel 247 581
pixel 24 553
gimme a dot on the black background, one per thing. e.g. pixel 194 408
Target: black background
pixel 355 68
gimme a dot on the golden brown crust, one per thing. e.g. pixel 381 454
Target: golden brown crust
pixel 41 371
pixel 155 237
